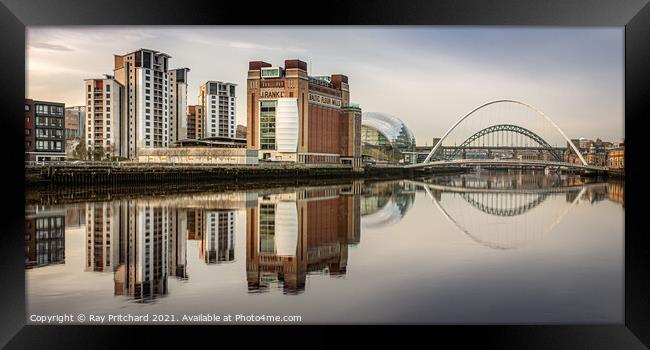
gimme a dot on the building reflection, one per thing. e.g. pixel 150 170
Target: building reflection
pixel 616 192
pixel 102 236
pixel 386 203
pixel 214 229
pixel 292 233
pixel 218 243
pixel 143 265
pixel 289 235
pixel 178 243
pixel 44 236
pixel 140 242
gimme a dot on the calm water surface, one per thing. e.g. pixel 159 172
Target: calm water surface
pixel 472 248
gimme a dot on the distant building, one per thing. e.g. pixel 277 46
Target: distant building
pixel 75 119
pixel 44 131
pixel 195 122
pixel 616 157
pixel 584 144
pixel 595 156
pixel 240 132
pixel 218 104
pixel 178 104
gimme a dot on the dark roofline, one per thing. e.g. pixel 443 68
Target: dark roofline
pixel 144 49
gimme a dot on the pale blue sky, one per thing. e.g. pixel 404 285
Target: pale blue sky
pixel 426 76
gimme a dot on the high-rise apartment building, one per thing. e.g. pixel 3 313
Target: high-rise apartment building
pixel 296 117
pixel 44 131
pixel 195 122
pixel 103 117
pixel 178 104
pixel 146 102
pixel 218 104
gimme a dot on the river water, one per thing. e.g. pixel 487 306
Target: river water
pixel 462 249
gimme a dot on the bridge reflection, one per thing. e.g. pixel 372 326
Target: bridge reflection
pixel 507 211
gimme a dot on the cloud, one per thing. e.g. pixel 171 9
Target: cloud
pixel 50 47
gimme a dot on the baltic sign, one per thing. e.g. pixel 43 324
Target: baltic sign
pixel 325 100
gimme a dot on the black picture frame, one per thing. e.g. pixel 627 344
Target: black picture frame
pixel 634 15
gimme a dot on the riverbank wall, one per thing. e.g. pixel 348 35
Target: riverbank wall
pixel 115 174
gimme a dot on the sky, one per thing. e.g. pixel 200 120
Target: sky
pixel 427 76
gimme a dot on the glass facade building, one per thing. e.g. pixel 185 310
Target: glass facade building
pixel 385 134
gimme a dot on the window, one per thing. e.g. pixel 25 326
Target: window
pixel 108 89
pixel 267 124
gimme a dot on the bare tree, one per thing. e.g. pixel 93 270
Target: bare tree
pixel 80 152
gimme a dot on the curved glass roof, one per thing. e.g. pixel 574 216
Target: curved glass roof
pixel 389 125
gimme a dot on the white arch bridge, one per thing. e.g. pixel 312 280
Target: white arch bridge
pixel 493 136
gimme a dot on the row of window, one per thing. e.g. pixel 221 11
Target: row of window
pixel 89 88
pixel 48 109
pixel 50 121
pixel 56 133
pixel 49 145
